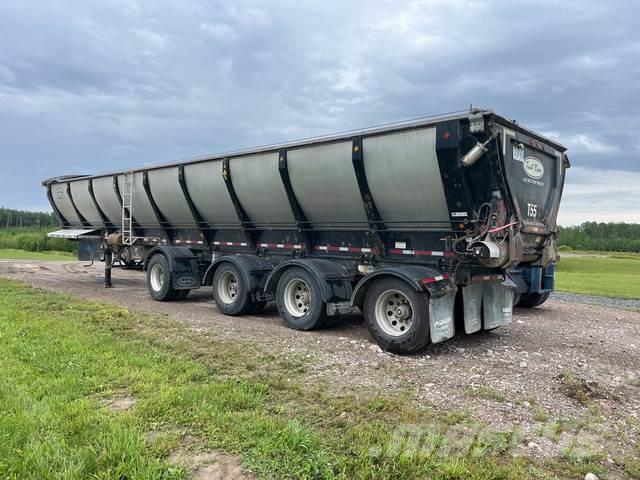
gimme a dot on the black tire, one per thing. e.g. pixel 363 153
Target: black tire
pixel 516 299
pixel 230 290
pixel 182 294
pixel 531 300
pixel 417 334
pixel 312 310
pixel 160 279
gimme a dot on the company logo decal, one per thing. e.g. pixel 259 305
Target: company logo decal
pixel 185 282
pixel 60 192
pixel 533 168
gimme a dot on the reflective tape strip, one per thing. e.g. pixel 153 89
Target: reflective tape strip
pixel 280 245
pixel 336 248
pixel 486 278
pixel 230 244
pixel 435 279
pixel 427 253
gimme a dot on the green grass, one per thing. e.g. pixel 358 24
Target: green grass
pixel 613 275
pixel 63 358
pixel 13 254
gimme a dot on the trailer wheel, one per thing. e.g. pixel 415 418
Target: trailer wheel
pixel 530 300
pixel 397 315
pixel 159 279
pixel 230 290
pixel 516 299
pixel 299 301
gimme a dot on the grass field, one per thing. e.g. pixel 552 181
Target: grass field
pixel 612 275
pixel 63 360
pixel 13 254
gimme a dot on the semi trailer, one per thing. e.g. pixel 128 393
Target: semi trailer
pixel 428 227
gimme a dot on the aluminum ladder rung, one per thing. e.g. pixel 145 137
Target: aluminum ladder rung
pixel 127 209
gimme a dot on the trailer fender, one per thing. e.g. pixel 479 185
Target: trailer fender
pixel 254 270
pixel 420 278
pixel 334 278
pixel 183 264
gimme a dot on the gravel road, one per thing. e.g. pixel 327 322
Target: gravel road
pixel 628 304
pixel 506 377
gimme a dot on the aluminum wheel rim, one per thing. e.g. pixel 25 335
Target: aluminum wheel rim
pixel 297 297
pixel 228 287
pixel 394 313
pixel 157 277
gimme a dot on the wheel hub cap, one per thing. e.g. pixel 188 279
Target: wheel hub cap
pixel 297 297
pixel 394 313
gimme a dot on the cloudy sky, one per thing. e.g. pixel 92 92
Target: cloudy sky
pixel 93 86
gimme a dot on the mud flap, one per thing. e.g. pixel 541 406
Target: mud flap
pixel 472 306
pixel 497 303
pixel 441 324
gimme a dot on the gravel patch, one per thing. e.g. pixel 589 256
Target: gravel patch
pixel 626 304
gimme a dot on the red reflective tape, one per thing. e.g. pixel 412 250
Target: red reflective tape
pixel 486 278
pixel 336 248
pixel 426 253
pixel 435 279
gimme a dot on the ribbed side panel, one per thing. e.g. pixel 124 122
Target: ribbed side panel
pixel 325 185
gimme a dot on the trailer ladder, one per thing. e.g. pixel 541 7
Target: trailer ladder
pixel 127 209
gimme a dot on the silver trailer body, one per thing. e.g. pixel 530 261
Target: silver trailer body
pixel 401 168
pixel 422 225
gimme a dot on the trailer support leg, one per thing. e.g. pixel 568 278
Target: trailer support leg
pixel 108 262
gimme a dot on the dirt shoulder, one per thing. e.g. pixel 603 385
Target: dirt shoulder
pixel 566 375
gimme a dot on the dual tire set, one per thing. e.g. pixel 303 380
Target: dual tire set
pixel 397 315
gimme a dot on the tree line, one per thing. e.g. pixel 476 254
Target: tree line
pixel 20 219
pixel 611 237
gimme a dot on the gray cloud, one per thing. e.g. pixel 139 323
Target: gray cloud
pixel 89 87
